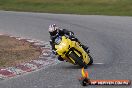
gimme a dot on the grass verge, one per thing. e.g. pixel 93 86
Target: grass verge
pixel 13 51
pixel 98 7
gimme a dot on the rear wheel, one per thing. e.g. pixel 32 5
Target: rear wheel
pixel 77 59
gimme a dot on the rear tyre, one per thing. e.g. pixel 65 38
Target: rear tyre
pixel 91 60
pixel 77 59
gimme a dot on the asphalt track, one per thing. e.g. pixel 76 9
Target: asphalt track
pixel 109 39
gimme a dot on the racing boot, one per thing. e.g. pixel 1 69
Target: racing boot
pixel 85 48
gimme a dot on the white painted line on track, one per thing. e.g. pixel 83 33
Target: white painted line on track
pixel 98 63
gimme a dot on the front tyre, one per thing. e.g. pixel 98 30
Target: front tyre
pixel 91 60
pixel 77 59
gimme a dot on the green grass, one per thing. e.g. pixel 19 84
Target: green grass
pixel 98 7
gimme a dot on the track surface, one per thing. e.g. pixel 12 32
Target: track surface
pixel 109 39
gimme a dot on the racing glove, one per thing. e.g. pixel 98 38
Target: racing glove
pixel 54 52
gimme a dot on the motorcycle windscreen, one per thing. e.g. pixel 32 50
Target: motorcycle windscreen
pixel 58 40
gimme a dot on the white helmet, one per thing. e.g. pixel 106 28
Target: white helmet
pixel 53 29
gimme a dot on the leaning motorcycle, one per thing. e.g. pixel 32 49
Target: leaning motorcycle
pixel 72 52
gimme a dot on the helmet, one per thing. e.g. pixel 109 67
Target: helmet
pixel 53 30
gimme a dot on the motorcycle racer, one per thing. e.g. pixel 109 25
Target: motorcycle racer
pixel 54 31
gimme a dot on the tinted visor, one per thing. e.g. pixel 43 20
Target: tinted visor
pixel 53 33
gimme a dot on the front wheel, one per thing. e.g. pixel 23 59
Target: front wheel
pixel 91 60
pixel 77 59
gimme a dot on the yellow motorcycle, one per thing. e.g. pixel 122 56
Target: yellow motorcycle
pixel 72 52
